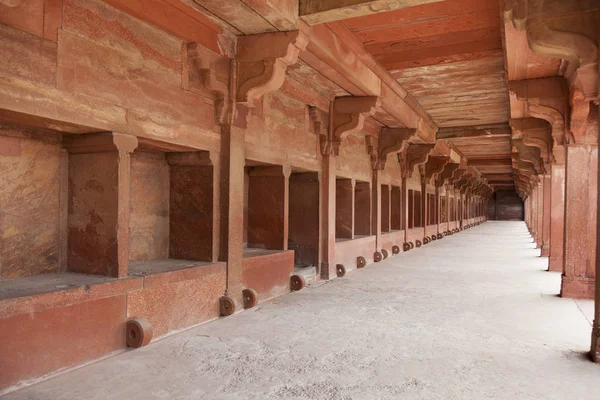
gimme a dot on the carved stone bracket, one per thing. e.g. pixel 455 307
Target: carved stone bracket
pixel 534 132
pixel 546 98
pixel 348 116
pixel 566 30
pixel 413 155
pixel 447 173
pixel 393 140
pixel 208 72
pixel 262 60
pixel 434 166
pixel 530 154
pixel 319 125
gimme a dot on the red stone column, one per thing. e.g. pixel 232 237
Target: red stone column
pixel 328 183
pixel 546 216
pixel 595 348
pixel 540 213
pixel 232 208
pixel 581 184
pixel 376 204
pixel 557 213
pixel 404 210
pixel 533 204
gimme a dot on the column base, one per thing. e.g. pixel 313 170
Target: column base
pixel 545 251
pixel 555 264
pixel 577 287
pixel 595 350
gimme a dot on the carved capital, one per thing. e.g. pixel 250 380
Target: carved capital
pixel 262 60
pixel 413 155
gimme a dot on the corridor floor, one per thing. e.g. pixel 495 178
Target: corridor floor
pixel 473 316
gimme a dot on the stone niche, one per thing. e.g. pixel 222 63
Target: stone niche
pixel 304 218
pixel 265 208
pixel 95 203
pixel 31 206
pixel 362 209
pixel 396 209
pixel 344 208
pixel 385 208
pixel 171 222
pixel 267 263
pixel 137 207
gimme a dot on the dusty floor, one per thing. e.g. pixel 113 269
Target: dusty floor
pixel 473 316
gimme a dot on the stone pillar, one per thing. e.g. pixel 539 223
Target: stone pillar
pixel 546 216
pixel 540 213
pixel 580 221
pixel 404 210
pixel 534 214
pixel 424 205
pixel 328 183
pixel 557 215
pixel 595 348
pixel 232 208
pixel 99 245
pixel 376 204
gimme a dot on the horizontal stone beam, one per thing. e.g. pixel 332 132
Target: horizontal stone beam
pixel 321 11
pixel 335 52
pixel 474 131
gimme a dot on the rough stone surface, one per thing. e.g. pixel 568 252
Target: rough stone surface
pixel 29 202
pixel 487 324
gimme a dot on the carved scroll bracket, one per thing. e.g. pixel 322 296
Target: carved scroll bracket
pixel 262 61
pixel 413 155
pixel 393 140
pixel 547 99
pixel 348 115
pixel 208 73
pixel 568 31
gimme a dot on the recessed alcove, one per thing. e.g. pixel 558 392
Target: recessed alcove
pixel 362 209
pixel 385 208
pixel 396 208
pixel 304 218
pixel 79 208
pixel 344 208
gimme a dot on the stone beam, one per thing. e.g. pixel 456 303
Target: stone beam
pixel 474 131
pixel 335 53
pixel 490 162
pixel 180 20
pixel 255 16
pixel 321 11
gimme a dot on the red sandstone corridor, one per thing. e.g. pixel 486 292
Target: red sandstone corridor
pixel 313 179
pixel 484 322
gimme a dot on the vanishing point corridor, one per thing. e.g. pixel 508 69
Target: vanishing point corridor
pixel 472 316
